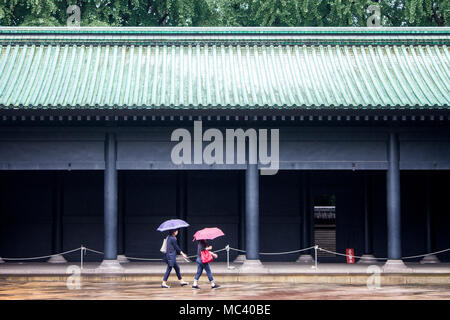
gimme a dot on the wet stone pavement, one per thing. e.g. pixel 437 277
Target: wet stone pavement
pixel 230 291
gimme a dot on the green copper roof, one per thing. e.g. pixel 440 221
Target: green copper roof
pixel 222 68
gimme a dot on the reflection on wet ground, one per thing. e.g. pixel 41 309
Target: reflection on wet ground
pixel 229 291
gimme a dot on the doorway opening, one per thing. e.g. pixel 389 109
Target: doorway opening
pixel 324 211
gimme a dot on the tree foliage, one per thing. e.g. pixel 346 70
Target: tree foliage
pixel 224 12
pixel 427 12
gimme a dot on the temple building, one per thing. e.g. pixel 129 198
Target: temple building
pixel 362 116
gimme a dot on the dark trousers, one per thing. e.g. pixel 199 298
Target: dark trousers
pixel 203 266
pixel 169 269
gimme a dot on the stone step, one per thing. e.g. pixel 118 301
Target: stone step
pixel 349 279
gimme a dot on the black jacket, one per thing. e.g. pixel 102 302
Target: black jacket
pixel 170 257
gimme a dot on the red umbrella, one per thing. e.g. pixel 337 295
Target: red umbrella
pixel 208 234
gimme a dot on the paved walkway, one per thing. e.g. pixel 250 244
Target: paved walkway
pixel 158 268
pixel 103 290
pixel 138 272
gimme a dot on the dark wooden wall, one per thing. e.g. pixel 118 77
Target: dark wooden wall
pixel 149 148
pixel 212 199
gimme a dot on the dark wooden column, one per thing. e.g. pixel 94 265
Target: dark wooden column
pixel 57 225
pixel 428 224
pixel 110 185
pixel 252 212
pixel 181 208
pixel 121 218
pixel 394 244
pixel 429 241
pixel 367 257
pixel 241 209
pixel 306 219
pixel 393 199
pixel 241 195
pixel 110 205
pixel 1 203
pixel 368 246
pixel 252 264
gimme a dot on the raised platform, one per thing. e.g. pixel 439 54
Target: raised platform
pixel 286 272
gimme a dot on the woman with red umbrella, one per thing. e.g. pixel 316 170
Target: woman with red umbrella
pixel 204 256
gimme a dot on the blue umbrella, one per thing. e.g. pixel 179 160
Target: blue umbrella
pixel 172 224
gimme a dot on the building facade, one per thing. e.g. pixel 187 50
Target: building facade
pixel 87 117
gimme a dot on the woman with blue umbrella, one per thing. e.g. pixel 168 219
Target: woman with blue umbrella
pixel 170 249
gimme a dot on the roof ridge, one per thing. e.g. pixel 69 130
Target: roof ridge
pixel 227 35
pixel 228 30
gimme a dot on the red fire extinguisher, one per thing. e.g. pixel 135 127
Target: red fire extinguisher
pixel 350 255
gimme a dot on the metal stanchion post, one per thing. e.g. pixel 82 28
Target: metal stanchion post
pixel 315 256
pixel 81 257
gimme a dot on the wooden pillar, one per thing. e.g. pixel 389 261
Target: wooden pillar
pixel 121 257
pixel 394 262
pixel 57 225
pixel 252 264
pixel 368 256
pixel 241 209
pixel 429 243
pixel 181 208
pixel 110 261
pixel 306 218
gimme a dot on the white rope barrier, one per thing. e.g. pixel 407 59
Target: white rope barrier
pixel 154 259
pixel 346 255
pixel 403 258
pixel 316 247
pixel 275 253
pixel 128 257
pixel 143 259
pixel 94 251
pixel 426 254
pixel 227 248
pixel 286 252
pixel 41 257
